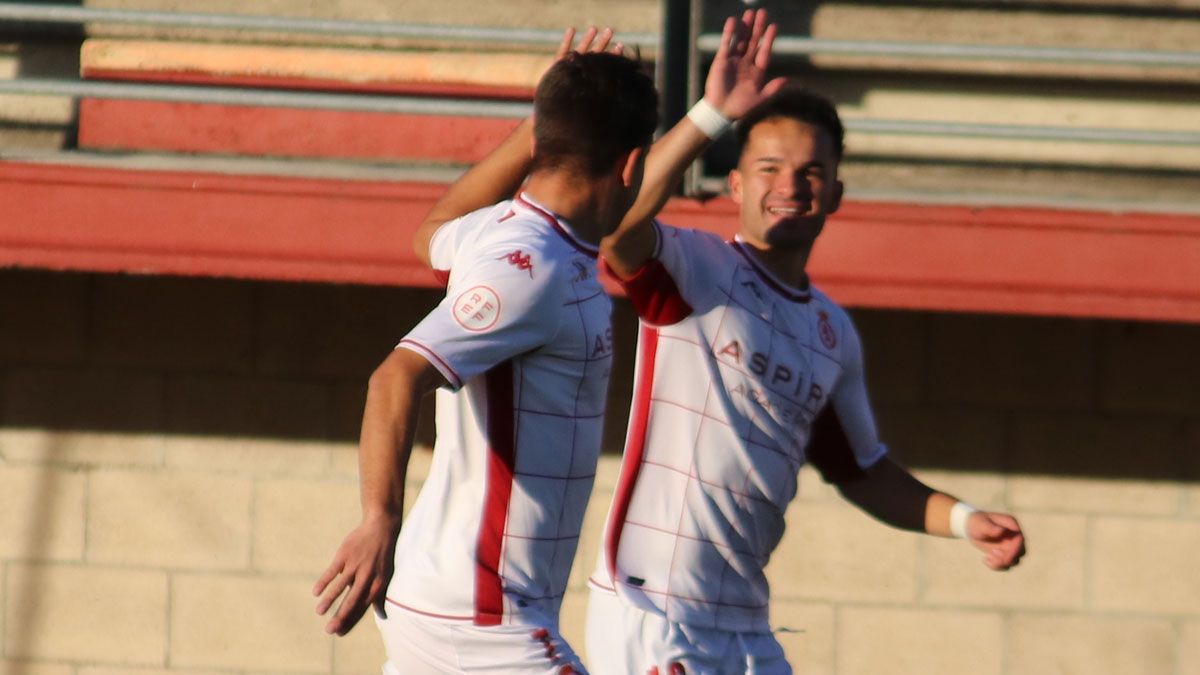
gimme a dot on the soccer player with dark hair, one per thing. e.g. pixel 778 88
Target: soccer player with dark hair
pixel 745 372
pixel 519 350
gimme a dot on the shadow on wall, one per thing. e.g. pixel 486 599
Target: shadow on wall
pixel 216 357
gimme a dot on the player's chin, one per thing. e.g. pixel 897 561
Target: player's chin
pixel 793 233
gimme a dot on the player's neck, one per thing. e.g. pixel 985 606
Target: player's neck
pixel 789 265
pixel 583 204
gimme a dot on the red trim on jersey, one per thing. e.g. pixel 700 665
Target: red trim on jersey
pixel 501 458
pixel 653 293
pixel 442 276
pixel 595 583
pixel 414 610
pixel 447 371
pixel 635 447
pixel 550 218
pixel 793 294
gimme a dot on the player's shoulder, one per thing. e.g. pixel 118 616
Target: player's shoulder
pixel 508 228
pixel 689 234
pixel 502 221
pixel 693 239
pixel 524 255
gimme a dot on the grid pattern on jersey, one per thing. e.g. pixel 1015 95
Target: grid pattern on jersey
pixel 729 409
pixel 501 512
pixel 558 440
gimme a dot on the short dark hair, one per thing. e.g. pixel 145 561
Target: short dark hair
pixel 797 103
pixel 590 109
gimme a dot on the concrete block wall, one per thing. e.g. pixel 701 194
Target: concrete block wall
pixel 177 463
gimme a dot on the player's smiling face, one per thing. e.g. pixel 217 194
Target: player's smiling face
pixel 785 183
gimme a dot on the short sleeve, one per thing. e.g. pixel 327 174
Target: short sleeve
pixel 844 439
pixel 504 301
pixel 453 235
pixel 444 243
pixel 675 281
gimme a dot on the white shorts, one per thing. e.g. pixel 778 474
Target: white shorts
pixel 419 645
pixel 624 640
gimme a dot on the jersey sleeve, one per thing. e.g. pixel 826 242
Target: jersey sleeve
pixel 453 235
pixel 845 441
pixel 673 284
pixel 504 300
pixel 444 243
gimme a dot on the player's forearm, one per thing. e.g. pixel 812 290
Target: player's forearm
pixel 628 248
pixel 383 451
pixel 892 495
pixel 389 422
pixel 491 179
pixel 937 514
pixel 669 158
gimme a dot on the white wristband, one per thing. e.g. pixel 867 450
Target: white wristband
pixel 708 119
pixel 958 519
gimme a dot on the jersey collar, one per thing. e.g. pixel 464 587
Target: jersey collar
pixel 558 225
pixel 788 291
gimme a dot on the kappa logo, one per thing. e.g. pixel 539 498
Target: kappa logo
pixel 753 287
pixel 520 260
pixel 477 309
pixel 582 273
pixel 825 329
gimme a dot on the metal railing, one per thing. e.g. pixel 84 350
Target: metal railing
pixel 517 110
pixel 800 46
pixel 17 11
pixel 707 42
pixel 1024 132
pixel 276 98
pixel 443 106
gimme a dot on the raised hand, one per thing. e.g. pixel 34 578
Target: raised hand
pixel 593 40
pixel 736 78
pixel 999 536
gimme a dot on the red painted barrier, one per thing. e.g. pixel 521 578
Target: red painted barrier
pixel 115 125
pixel 911 256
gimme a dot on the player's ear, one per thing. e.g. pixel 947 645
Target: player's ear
pixel 533 141
pixel 835 199
pixel 735 186
pixel 632 165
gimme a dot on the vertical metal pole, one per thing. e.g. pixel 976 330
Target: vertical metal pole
pixel 695 89
pixel 676 72
pixel 673 68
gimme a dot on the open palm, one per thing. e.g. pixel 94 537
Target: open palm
pixel 736 79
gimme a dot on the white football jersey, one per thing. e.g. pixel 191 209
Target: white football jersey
pixel 740 379
pixel 523 337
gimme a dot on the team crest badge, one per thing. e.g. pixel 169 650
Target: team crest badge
pixel 825 329
pixel 477 309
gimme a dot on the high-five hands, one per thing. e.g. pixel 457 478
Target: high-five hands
pixel 593 40
pixel 735 82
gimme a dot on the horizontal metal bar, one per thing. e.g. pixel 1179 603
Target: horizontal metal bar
pixel 516 110
pixel 268 97
pixel 1023 132
pixel 709 42
pixel 17 11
